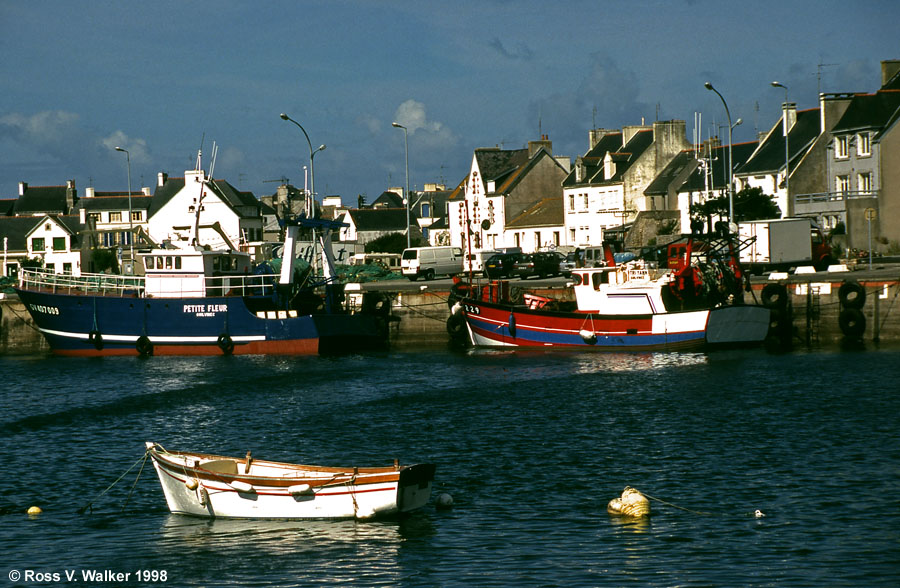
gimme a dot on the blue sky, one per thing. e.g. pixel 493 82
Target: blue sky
pixel 81 78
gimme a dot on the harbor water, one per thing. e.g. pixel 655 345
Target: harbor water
pixel 530 445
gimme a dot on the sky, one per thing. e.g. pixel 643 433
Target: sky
pixel 164 79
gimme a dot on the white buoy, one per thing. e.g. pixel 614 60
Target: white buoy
pixel 758 513
pixel 631 504
pixel 444 501
pixel 34 510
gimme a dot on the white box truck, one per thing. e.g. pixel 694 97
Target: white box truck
pixel 781 244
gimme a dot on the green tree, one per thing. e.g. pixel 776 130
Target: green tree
pixel 391 243
pixel 104 259
pixel 749 204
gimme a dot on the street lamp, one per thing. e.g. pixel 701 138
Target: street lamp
pixel 709 86
pixel 312 170
pixel 406 144
pixel 130 220
pixel 787 160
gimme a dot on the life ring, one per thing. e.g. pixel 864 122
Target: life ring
pixel 852 294
pixel 225 344
pixel 96 339
pixel 774 296
pixel 144 346
pixel 852 322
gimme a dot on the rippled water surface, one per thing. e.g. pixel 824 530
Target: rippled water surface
pixel 532 446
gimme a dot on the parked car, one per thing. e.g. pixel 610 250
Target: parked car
pixel 501 265
pixel 541 263
pixel 568 263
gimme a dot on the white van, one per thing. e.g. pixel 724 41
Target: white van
pixel 430 262
pixel 474 262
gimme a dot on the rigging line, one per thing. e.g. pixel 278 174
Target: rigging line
pixel 89 504
pixel 24 320
pixel 140 471
pixel 699 512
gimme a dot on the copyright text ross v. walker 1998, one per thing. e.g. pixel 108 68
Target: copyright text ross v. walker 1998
pixel 98 576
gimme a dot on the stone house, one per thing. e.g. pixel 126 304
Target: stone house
pixel 501 185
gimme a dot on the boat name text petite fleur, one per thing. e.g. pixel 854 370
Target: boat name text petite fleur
pixel 205 309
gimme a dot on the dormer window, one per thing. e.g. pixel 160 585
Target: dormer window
pixel 115 217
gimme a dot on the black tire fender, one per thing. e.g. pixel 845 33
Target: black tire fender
pixel 774 296
pixel 852 322
pixel 852 294
pixel 96 339
pixel 225 343
pixel 144 346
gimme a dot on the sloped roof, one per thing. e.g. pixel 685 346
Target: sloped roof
pixel 114 202
pixel 46 199
pixel 388 199
pixel 869 111
pixel 661 183
pixel 695 181
pixel 497 164
pixel 7 207
pixel 622 155
pixel 225 191
pixel 546 212
pixel 15 228
pixel 769 156
pixel 379 219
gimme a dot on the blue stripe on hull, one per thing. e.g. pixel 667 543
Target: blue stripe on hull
pixel 528 337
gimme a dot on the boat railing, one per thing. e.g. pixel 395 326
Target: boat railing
pixel 136 286
pixel 86 283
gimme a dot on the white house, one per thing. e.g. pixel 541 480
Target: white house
pixel 206 211
pixel 55 241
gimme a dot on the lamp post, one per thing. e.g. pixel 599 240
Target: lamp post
pixel 406 199
pixel 130 220
pixel 787 159
pixel 312 170
pixel 709 86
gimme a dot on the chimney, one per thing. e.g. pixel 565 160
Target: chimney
pixel 629 131
pixel 790 117
pixel 579 169
pixel 82 215
pixel 23 186
pixel 145 190
pixel 161 178
pixel 70 195
pixel 889 69
pixel 89 192
pixel 595 135
pixel 534 146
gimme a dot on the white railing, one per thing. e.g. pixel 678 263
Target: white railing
pixel 135 286
pixel 833 196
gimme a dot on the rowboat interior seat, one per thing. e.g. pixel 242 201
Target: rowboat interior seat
pixel 221 466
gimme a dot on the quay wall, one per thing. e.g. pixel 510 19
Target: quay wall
pixel 811 315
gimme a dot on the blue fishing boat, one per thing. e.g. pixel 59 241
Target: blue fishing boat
pixel 192 300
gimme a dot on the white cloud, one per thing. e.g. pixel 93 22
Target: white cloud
pixel 137 148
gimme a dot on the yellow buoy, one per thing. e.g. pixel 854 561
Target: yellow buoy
pixel 34 510
pixel 631 504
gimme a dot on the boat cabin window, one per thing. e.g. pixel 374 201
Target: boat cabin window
pixel 599 278
pixel 162 262
pixel 148 262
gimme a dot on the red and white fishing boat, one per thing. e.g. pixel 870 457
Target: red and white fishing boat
pixel 693 304
pixel 214 486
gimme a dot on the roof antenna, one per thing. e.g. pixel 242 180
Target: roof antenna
pixel 198 167
pixel 212 165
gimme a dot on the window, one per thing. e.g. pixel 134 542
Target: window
pixel 571 236
pixel 556 237
pixel 571 201
pixel 37 244
pixel 426 210
pixel 863 144
pixel 136 215
pixel 842 184
pixel 59 243
pixel 585 201
pixel 864 182
pixel 537 240
pixel 67 268
pixel 95 216
pixel 115 217
pixel 840 148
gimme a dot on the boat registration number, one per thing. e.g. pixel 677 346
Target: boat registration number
pixel 471 309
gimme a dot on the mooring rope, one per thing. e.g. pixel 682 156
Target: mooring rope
pixel 699 512
pixel 89 505
pixel 140 471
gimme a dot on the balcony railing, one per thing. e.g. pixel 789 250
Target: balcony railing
pixel 833 196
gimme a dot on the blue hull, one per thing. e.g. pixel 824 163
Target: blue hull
pixel 87 325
